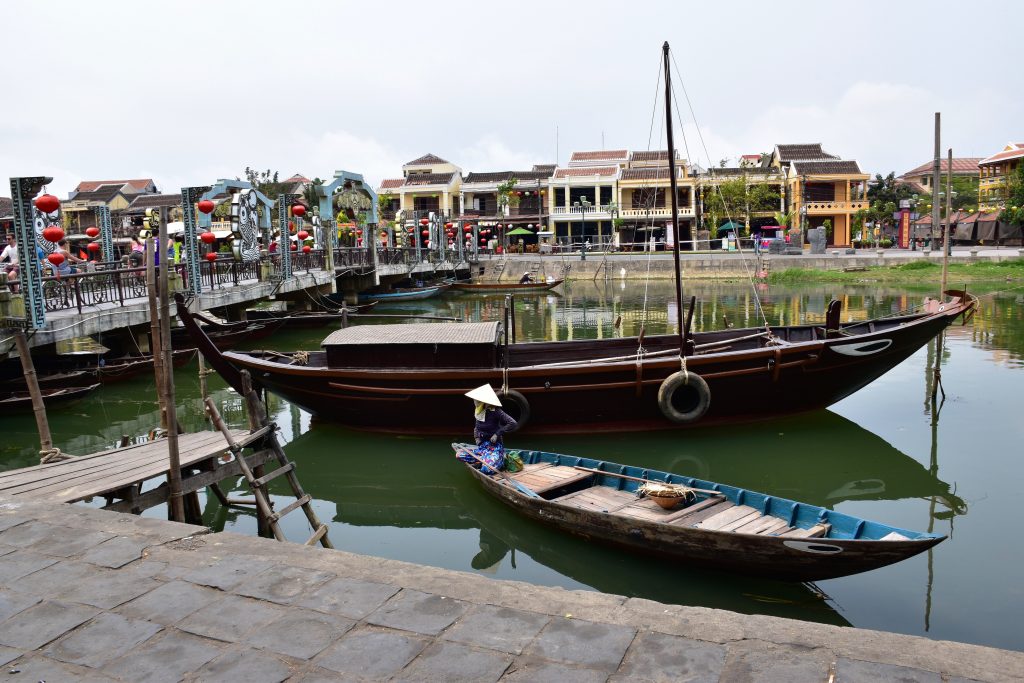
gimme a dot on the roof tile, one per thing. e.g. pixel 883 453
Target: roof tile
pixel 831 167
pixel 964 165
pixel 583 172
pixel 137 184
pixel 427 159
pixel 803 152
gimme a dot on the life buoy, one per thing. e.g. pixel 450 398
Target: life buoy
pixel 516 405
pixel 684 397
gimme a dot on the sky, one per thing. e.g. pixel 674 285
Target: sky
pixel 187 92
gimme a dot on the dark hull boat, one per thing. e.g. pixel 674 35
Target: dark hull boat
pixel 407 294
pixel 128 367
pixel 224 336
pixel 21 401
pixel 505 287
pixel 368 372
pixel 304 320
pixel 720 526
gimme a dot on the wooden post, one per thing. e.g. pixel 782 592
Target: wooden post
pixel 38 407
pixel 204 392
pixel 257 418
pixel 936 177
pixel 174 496
pixel 154 329
pixel 945 230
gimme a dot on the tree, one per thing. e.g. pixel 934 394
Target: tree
pixel 739 199
pixel 965 194
pixel 888 189
pixel 266 182
pixel 1014 211
pixel 310 195
pixel 506 195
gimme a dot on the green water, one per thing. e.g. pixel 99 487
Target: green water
pixel 883 454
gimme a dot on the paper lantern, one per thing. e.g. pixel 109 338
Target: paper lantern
pixel 359 233
pixel 56 258
pixel 92 231
pixel 467 228
pixel 448 225
pixel 93 246
pixel 298 210
pixel 425 233
pixel 53 234
pixel 306 249
pixel 424 221
pixel 47 203
pixel 211 256
pixel 295 247
pixel 302 234
pixel 291 226
pixel 206 206
pixel 208 238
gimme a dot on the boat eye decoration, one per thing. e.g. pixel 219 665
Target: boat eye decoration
pixel 811 547
pixel 865 348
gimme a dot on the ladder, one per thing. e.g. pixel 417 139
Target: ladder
pixel 258 482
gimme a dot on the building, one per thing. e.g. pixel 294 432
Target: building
pixel 994 172
pixel 526 200
pixel 584 195
pixel 428 184
pixel 920 178
pixel 79 210
pixel 644 198
pixel 132 186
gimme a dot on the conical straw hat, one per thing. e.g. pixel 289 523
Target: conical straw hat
pixel 484 394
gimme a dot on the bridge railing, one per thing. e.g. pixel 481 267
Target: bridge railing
pixel 352 257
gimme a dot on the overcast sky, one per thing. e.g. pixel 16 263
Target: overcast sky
pixel 187 92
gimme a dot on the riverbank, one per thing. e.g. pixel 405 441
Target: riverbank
pixel 912 272
pixel 88 594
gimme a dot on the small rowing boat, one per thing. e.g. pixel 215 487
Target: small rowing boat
pixel 408 294
pixel 698 522
pixel 516 287
pixel 19 401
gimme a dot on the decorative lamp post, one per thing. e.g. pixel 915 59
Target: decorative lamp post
pixel 582 207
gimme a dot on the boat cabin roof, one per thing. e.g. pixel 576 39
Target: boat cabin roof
pixel 415 333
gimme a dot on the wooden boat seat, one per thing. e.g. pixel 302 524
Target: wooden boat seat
pixel 729 519
pixel 544 479
pixel 816 531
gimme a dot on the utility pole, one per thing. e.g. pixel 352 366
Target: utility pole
pixel 936 177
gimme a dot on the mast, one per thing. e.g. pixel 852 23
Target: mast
pixel 675 201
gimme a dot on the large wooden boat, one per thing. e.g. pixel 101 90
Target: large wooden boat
pixel 367 374
pixel 503 287
pixel 21 401
pixel 715 525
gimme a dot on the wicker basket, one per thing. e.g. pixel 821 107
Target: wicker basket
pixel 667 502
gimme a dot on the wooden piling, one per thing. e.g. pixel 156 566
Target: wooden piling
pixel 154 329
pixel 176 503
pixel 38 407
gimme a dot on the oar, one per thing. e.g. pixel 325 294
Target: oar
pixel 515 484
pixel 710 492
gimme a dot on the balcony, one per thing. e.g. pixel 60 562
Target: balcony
pixel 833 207
pixel 655 212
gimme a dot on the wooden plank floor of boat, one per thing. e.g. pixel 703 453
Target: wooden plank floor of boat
pixel 544 477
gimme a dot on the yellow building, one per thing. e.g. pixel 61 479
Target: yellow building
pixel 994 173
pixel 645 198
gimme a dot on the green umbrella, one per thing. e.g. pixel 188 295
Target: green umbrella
pixel 730 227
pixel 520 231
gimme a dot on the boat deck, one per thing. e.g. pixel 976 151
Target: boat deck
pixel 561 484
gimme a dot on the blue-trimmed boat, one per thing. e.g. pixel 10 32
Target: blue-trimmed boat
pixel 407 294
pixel 710 524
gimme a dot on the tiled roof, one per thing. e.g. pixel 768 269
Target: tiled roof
pixel 150 201
pixel 1015 153
pixel 391 183
pixel 961 165
pixel 654 173
pixel 137 184
pixel 832 167
pixel 586 171
pixel 297 178
pixel 429 179
pixel 501 176
pixel 604 155
pixel 545 168
pixel 803 152
pixel 652 155
pixel 6 206
pixel 104 193
pixel 754 171
pixel 427 159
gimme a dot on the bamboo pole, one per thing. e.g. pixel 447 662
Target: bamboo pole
pixel 154 329
pixel 174 494
pixel 38 407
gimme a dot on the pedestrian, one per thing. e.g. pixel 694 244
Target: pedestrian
pixel 490 423
pixel 137 255
pixel 67 266
pixel 10 252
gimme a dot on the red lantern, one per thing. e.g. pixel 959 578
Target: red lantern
pixel 93 246
pixel 295 247
pixel 53 234
pixel 425 233
pixel 359 233
pixel 448 225
pixel 302 234
pixel 424 221
pixel 211 256
pixel 298 210
pixel 206 206
pixel 291 226
pixel 467 228
pixel 498 226
pixel 306 249
pixel 208 238
pixel 56 258
pixel 47 203
pixel 92 231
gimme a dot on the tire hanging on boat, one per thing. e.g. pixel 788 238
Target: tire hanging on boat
pixel 516 405
pixel 684 397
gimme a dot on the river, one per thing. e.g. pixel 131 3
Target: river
pixel 884 453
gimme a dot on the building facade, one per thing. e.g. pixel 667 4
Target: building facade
pixel 994 172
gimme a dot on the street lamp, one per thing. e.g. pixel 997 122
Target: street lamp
pixel 583 206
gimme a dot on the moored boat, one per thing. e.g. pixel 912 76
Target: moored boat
pixel 702 523
pixel 405 294
pixel 13 401
pixel 502 287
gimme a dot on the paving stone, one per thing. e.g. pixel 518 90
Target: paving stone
pixel 251 666
pixel 420 612
pixel 105 638
pixel 108 589
pixel 8 520
pixel 779 664
pixel 6 549
pixel 301 634
pixel 573 641
pixel 660 657
pixel 860 671
pixel 282 584
pixel 450 662
pixel 371 654
pixel 117 552
pixel 350 598
pixel 318 675
pixel 39 668
pixel 13 602
pixel 17 565
pixel 53 540
pixel 170 602
pixel 54 579
pixel 226 574
pixel 167 658
pixel 498 628
pixel 7 654
pixel 38 625
pixel 533 670
pixel 230 618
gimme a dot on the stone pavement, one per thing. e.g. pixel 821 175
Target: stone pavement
pixel 87 595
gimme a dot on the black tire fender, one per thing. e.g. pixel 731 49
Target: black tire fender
pixel 516 405
pixel 684 397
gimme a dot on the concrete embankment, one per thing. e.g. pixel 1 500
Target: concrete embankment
pixel 99 596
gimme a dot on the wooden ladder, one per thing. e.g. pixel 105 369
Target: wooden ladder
pixel 258 481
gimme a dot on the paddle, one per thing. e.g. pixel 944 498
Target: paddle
pixel 645 481
pixel 515 484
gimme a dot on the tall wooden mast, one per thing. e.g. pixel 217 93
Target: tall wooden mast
pixel 675 200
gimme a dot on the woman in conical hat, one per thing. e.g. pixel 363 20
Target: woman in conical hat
pixel 490 423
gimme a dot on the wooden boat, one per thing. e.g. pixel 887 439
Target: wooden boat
pixel 306 319
pixel 515 287
pixel 721 526
pixel 54 380
pixel 128 367
pixel 224 337
pixel 20 401
pixel 404 294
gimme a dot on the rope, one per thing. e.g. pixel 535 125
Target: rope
pixel 504 380
pixel 300 358
pixel 686 373
pixel 53 454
